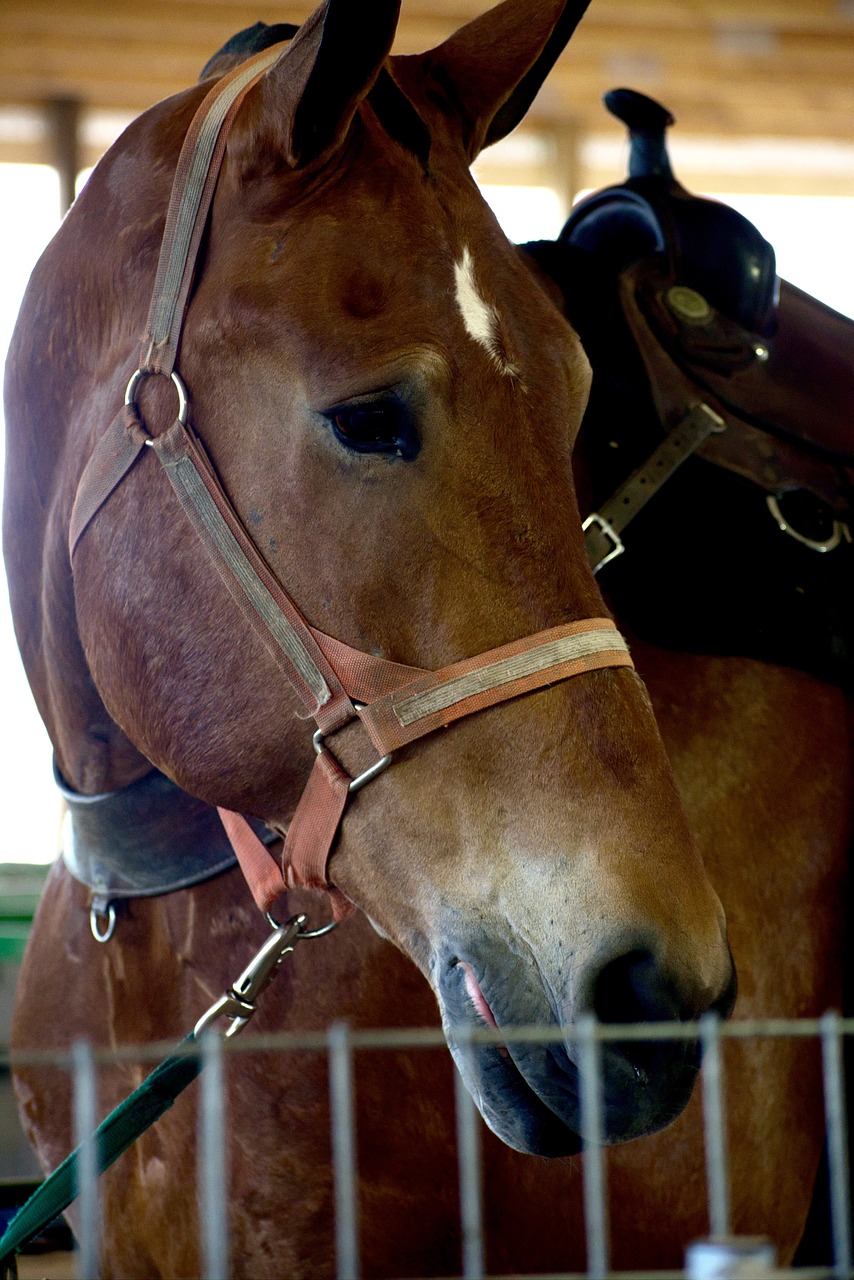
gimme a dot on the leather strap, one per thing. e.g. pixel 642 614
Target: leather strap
pixel 438 698
pixel 266 604
pixel 787 416
pixel 192 192
pixel 602 528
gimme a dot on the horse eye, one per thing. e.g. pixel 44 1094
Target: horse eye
pixel 383 426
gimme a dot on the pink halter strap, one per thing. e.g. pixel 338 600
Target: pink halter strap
pixel 337 685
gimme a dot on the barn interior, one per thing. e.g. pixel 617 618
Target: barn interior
pixel 763 98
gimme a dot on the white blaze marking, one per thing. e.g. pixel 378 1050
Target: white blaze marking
pixel 479 317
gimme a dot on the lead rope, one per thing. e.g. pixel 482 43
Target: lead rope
pixel 155 1095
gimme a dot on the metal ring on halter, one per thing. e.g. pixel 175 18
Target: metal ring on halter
pixel 183 399
pixel 355 784
pixel 102 909
pixel 303 934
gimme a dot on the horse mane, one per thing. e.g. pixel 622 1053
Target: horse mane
pixel 244 44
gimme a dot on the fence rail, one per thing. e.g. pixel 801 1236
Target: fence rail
pixel 720 1256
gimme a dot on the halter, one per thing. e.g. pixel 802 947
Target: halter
pixel 337 684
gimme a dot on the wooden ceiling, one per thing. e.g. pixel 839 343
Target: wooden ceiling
pixel 728 68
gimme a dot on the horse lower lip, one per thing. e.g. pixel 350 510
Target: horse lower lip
pixel 476 996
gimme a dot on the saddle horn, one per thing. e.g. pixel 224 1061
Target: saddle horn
pixel 647 122
pixel 709 246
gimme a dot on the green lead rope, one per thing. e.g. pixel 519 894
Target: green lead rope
pixel 113 1136
pixel 155 1095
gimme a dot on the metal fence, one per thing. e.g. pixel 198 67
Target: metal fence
pixel 720 1256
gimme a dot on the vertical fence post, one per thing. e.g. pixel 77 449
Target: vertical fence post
pixel 837 1143
pixel 212 1160
pixel 714 1126
pixel 343 1151
pixel 593 1140
pixel 468 1156
pixel 85 1123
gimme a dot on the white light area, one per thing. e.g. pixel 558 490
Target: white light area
pixel 99 129
pixel 813 157
pixel 29 803
pixel 811 236
pixel 526 213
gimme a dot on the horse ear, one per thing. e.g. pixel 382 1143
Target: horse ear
pixel 493 67
pixel 308 98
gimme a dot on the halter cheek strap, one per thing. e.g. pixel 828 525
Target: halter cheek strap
pixel 336 684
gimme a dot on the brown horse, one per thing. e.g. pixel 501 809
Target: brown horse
pixel 391 400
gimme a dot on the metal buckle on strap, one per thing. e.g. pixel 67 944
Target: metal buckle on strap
pixel 608 531
pixel 319 743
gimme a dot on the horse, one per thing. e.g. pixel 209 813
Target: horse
pixel 391 396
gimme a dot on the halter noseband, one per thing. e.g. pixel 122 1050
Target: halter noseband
pixel 396 704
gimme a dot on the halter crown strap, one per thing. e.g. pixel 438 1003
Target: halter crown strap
pixel 192 191
pixel 402 703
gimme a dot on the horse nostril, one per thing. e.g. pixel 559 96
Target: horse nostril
pixel 633 988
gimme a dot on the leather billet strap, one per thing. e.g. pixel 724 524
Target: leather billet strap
pixel 402 703
pixel 602 528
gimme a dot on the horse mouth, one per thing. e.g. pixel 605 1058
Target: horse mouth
pixel 529 1094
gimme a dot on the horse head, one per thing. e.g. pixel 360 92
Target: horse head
pixel 391 401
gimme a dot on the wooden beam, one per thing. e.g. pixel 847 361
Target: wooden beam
pixel 777 67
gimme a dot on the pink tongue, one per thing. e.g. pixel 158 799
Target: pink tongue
pixel 476 996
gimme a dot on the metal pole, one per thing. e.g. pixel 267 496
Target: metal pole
pixel 837 1144
pixel 343 1151
pixel 468 1157
pixel 714 1126
pixel 85 1123
pixel 593 1141
pixel 212 1161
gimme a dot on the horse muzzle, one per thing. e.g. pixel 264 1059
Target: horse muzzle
pixel 528 1092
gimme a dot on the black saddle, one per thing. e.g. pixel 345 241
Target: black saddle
pixel 747 548
pixel 710 247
